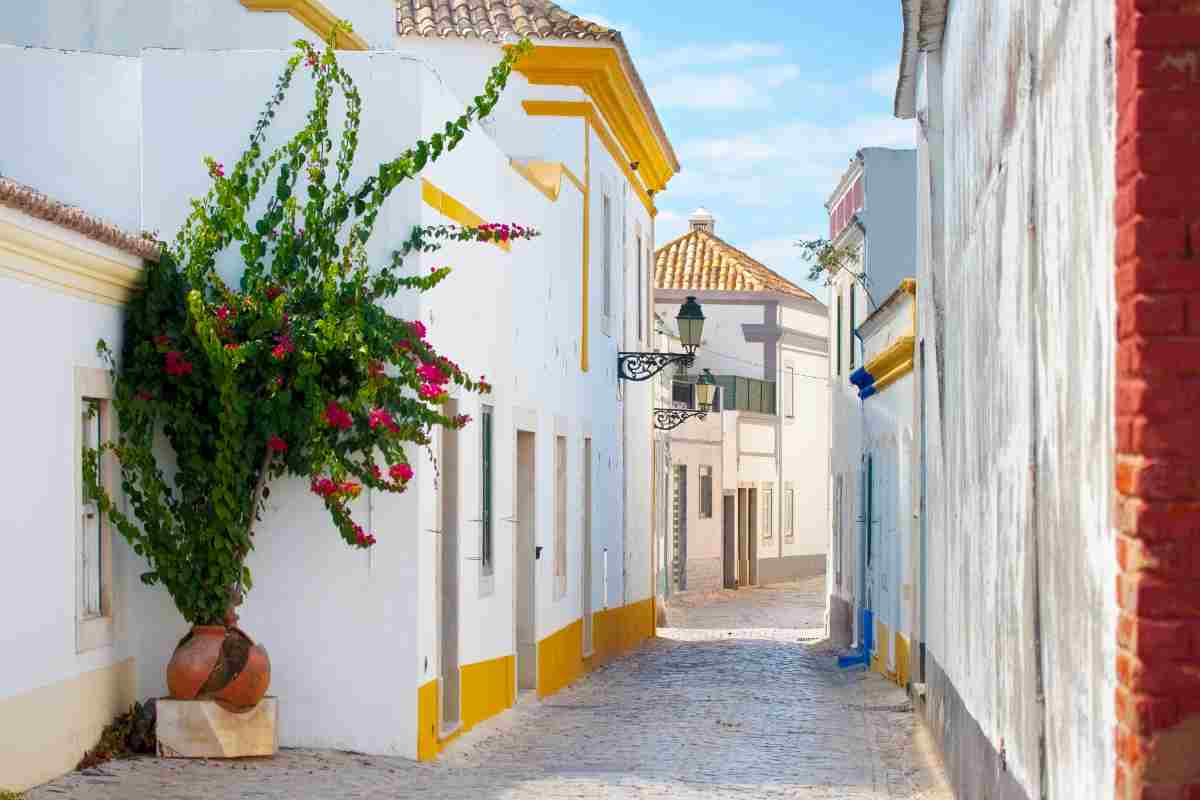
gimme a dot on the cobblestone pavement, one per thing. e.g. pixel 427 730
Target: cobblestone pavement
pixel 731 701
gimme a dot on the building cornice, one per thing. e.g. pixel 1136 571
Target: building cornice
pixel 600 73
pixel 313 15
pixel 50 255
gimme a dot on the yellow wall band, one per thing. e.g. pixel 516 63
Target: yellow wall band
pixel 45 731
pixel 427 721
pixel 547 176
pixel 486 688
pixel 560 658
pixel 314 16
pixel 445 204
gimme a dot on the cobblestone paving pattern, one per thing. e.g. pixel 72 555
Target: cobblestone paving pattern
pixel 729 702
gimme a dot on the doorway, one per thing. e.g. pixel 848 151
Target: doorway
pixel 755 523
pixel 729 540
pixel 679 530
pixel 743 537
pixel 526 561
pixel 586 588
pixel 448 569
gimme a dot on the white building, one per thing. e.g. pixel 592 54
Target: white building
pixel 748 484
pixel 872 211
pixel 884 554
pixel 452 614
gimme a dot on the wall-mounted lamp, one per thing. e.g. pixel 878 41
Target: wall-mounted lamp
pixel 666 419
pixel 642 366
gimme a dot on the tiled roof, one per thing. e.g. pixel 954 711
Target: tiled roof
pixel 35 204
pixel 493 20
pixel 700 261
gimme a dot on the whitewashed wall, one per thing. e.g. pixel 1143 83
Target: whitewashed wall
pixel 1017 315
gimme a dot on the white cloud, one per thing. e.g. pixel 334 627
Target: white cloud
pixel 696 55
pixel 882 81
pixel 725 91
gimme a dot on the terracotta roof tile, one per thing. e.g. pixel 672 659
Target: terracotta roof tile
pixel 700 261
pixel 35 204
pixel 493 20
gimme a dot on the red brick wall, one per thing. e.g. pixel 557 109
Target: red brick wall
pixel 1158 399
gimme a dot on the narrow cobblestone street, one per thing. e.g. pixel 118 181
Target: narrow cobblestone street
pixel 735 699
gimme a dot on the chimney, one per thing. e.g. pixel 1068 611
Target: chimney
pixel 701 220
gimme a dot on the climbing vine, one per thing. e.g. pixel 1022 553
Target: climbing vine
pixel 298 370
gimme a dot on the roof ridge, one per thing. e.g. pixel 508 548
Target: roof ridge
pixel 28 200
pixel 742 261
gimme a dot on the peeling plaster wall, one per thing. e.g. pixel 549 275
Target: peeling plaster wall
pixel 1017 317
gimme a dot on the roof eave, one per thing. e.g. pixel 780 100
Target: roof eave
pixel 924 24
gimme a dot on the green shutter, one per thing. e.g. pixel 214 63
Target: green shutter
pixel 485 427
pixel 851 339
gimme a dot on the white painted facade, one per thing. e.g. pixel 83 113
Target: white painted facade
pixel 876 198
pixel 123 137
pixel 1013 106
pixel 766 336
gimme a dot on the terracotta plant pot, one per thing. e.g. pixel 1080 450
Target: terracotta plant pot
pixel 214 662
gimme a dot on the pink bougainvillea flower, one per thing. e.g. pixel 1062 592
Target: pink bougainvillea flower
pixel 217 170
pixel 431 392
pixel 431 374
pixel 232 346
pixel 338 417
pixel 462 420
pixel 376 472
pixel 162 341
pixel 223 313
pixel 350 489
pixel 375 369
pixel 418 329
pixel 311 60
pixel 401 472
pixel 177 365
pixel 273 292
pixel 381 416
pixel 323 487
pixel 285 345
pixel 276 445
pixel 144 396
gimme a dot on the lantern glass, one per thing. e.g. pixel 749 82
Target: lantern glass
pixel 704 395
pixel 691 324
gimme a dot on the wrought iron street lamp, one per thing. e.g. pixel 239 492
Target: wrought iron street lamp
pixel 666 419
pixel 642 366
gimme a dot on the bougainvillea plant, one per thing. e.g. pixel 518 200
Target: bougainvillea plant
pixel 300 370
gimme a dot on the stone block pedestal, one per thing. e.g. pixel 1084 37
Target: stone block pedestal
pixel 203 729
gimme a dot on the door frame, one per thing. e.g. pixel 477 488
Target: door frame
pixel 528 559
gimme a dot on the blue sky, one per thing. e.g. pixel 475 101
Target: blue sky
pixel 765 103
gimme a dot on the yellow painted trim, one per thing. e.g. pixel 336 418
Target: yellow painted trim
pixel 44 732
pixel 585 110
pixel 446 205
pixel 427 721
pixel 314 16
pixel 599 73
pixel 893 363
pixel 618 630
pixel 560 658
pixel 879 659
pixel 486 688
pixel 903 656
pixel 546 176
pixel 585 275
pixel 68 263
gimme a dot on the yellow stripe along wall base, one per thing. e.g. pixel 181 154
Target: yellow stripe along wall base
pixel 884 639
pixel 489 687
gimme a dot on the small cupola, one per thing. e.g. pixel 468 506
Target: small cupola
pixel 702 220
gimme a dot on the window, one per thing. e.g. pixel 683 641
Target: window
pixel 789 512
pixel 838 334
pixel 768 507
pixel 706 492
pixel 789 390
pixel 683 393
pixel 485 489
pixel 560 517
pixel 640 280
pixel 606 263
pixel 850 340
pixel 94 584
